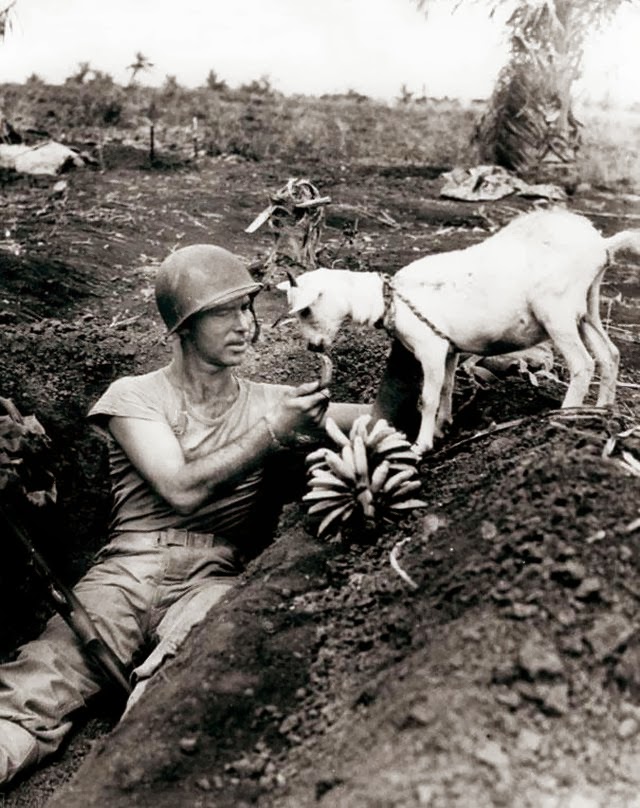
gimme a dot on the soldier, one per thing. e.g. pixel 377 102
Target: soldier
pixel 188 445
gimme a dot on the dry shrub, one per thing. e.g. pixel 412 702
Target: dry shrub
pixel 255 123
pixel 259 123
pixel 610 154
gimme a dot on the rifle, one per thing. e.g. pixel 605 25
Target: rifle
pixel 72 611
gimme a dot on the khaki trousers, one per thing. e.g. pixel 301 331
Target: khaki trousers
pixel 138 592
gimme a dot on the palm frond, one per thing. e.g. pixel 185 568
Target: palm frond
pixel 6 22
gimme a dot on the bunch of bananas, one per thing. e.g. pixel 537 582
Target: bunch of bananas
pixel 373 472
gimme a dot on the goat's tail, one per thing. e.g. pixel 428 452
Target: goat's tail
pixel 625 240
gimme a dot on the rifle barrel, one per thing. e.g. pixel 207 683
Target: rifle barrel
pixel 69 607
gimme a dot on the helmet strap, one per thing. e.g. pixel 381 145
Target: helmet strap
pixel 256 330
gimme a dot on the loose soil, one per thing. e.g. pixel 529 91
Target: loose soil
pixel 504 672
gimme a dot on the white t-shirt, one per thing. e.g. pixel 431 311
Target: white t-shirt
pixel 136 506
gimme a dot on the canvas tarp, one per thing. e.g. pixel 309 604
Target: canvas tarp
pixel 488 183
pixel 47 158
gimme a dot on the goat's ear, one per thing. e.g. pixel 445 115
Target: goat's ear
pixel 301 298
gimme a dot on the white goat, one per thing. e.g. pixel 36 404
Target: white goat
pixel 536 279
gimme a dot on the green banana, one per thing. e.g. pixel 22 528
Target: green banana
pixel 360 460
pixel 327 479
pixel 404 457
pixel 397 479
pixel 379 476
pixel 392 443
pixel 316 467
pixel 330 518
pixel 406 488
pixel 359 426
pixel 324 493
pixel 339 466
pixel 326 370
pixel 365 498
pixel 321 507
pixel 407 504
pixel 381 429
pixel 335 433
pixel 348 457
pixel 373 469
pixel 315 456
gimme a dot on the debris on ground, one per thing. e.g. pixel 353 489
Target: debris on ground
pixel 44 158
pixel 489 183
pixel 295 217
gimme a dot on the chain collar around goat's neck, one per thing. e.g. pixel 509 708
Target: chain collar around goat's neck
pixel 388 319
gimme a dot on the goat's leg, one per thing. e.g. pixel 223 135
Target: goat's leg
pixel 433 371
pixel 599 343
pixel 566 338
pixel 445 410
pixel 606 359
pixel 397 396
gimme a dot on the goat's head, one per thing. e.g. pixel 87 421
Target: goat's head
pixel 319 303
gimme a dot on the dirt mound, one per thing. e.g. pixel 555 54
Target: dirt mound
pixel 504 675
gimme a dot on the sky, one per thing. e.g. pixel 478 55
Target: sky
pixel 303 46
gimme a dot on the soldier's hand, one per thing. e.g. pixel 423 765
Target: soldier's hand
pixel 302 409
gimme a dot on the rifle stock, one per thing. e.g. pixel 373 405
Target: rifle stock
pixel 69 607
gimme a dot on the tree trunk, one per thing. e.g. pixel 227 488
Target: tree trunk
pixel 529 126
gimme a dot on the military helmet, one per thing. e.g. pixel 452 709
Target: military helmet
pixel 199 277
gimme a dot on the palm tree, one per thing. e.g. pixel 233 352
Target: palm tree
pixel 141 63
pixel 170 86
pixel 529 121
pixel 82 72
pixel 214 83
pixel 5 19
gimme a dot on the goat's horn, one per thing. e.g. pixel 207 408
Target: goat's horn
pixel 292 280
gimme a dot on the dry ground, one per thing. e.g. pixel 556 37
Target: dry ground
pixel 509 675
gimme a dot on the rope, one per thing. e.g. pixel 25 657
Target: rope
pixel 387 321
pixel 389 295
